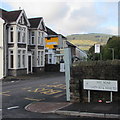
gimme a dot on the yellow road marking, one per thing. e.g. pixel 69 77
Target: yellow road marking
pixel 57 86
pixel 32 99
pixel 45 91
pixel 36 89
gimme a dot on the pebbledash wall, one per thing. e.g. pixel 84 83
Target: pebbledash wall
pixel 102 70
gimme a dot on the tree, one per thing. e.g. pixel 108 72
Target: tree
pixel 113 45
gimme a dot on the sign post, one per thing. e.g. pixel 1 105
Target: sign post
pixel 111 96
pixel 88 96
pixel 67 60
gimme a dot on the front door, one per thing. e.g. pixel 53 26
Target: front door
pixel 29 69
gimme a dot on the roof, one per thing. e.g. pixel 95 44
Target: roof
pixel 70 44
pixel 34 22
pixel 10 16
pixel 50 32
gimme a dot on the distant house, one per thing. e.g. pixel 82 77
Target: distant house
pixel 54 45
pixel 23 43
pixel 76 53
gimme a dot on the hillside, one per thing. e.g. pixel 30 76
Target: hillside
pixel 85 41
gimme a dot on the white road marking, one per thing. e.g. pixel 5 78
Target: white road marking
pixel 14 107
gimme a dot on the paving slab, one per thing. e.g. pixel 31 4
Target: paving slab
pixel 46 107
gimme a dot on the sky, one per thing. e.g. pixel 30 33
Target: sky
pixel 71 16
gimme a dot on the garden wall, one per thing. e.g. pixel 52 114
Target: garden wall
pixel 103 70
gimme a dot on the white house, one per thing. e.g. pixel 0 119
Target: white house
pixel 1 49
pixel 23 44
pixel 37 43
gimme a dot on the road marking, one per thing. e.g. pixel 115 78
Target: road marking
pixel 59 95
pixel 32 99
pixel 0 109
pixel 14 107
pixel 49 91
pixel 36 89
pixel 61 86
pixel 5 93
pixel 45 91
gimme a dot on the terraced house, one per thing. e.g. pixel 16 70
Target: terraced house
pixel 23 43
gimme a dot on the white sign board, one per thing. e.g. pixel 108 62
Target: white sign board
pixel 97 48
pixel 101 85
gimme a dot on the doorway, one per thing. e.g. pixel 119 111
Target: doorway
pixel 29 68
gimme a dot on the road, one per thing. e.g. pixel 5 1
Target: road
pixel 19 93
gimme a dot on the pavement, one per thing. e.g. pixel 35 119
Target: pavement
pixel 97 110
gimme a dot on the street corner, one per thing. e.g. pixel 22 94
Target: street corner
pixel 46 107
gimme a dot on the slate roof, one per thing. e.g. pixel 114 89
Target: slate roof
pixel 70 44
pixel 34 22
pixel 9 16
pixel 50 32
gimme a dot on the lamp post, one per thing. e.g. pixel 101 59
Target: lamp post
pixel 113 53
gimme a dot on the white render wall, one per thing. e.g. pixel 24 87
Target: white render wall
pixel 1 48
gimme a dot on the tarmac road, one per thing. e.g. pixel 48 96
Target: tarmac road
pixel 19 93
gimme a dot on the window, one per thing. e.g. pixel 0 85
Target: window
pixel 11 59
pixel 40 58
pixel 40 38
pixel 23 58
pixel 23 35
pixel 11 34
pixel 33 37
pixel 19 58
pixel 19 36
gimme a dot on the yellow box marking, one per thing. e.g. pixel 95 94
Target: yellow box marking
pixel 57 86
pixel 45 91
pixel 32 99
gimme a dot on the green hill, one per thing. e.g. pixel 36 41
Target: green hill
pixel 85 41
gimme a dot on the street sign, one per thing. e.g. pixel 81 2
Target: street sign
pixel 97 48
pixel 101 85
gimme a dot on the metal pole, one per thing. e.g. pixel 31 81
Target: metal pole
pixel 111 96
pixel 88 96
pixel 67 72
pixel 113 53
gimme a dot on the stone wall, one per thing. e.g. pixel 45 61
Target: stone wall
pixel 103 70
pixel 18 72
pixel 52 67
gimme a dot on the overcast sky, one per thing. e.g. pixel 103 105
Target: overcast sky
pixel 71 16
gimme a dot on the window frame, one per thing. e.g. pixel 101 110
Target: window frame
pixel 11 29
pixel 11 54
pixel 40 58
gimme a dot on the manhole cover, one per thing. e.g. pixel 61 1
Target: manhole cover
pixel 46 107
